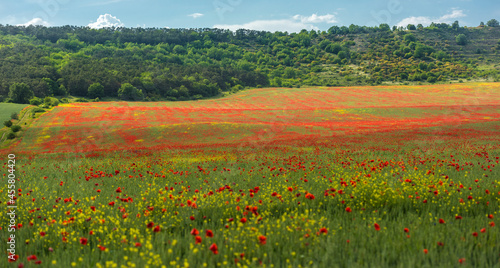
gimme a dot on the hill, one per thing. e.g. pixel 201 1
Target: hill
pixel 264 116
pixel 183 64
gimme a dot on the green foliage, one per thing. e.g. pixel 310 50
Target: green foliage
pixel 461 39
pixel 129 92
pixel 11 136
pixel 14 116
pixel 81 100
pixel 20 93
pixel 7 123
pixel 15 128
pixel 95 90
pixel 493 23
pixel 36 101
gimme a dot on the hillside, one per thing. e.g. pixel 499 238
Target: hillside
pixel 183 64
pixel 267 115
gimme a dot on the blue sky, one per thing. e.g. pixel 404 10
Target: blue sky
pixel 277 15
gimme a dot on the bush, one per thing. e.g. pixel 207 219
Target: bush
pixel 81 100
pixel 7 123
pixel 36 101
pixel 64 100
pixel 96 99
pixel 15 128
pixel 11 136
pixel 14 116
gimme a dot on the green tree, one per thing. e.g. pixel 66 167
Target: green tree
pixel 20 93
pixel 411 27
pixel 461 39
pixel 493 23
pixel 455 25
pixel 96 90
pixel 129 92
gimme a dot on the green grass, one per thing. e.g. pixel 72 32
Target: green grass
pixel 6 109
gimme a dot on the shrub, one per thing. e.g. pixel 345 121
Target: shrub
pixel 7 123
pixel 36 101
pixel 14 116
pixel 81 100
pixel 15 128
pixel 11 136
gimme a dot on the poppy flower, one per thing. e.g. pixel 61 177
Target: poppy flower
pixel 209 233
pixel 150 224
pixel 156 229
pixel 137 244
pixel 191 218
pixel 483 230
pixel 440 244
pixel 474 234
pixel 262 239
pixel 92 208
pixel 490 216
pixel 13 258
pixel 119 190
pixel 102 248
pixel 492 224
pixel 377 227
pixel 214 249
pixel 458 217
pixel 441 221
pixel 243 220
pixel 42 234
pixel 407 230
pixel 323 230
pixel 197 239
pixel 112 203
pixel 195 232
pixel 83 241
pixel 348 209
pixel 426 251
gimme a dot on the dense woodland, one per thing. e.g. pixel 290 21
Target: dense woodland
pixel 181 64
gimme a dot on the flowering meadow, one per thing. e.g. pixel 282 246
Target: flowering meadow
pixel 404 176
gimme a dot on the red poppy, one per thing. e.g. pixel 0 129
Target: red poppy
pixel 290 189
pixel 83 241
pixel 137 244
pixel 197 239
pixel 458 217
pixel 111 203
pixel 348 209
pixel 323 230
pixel 156 229
pixel 194 231
pixel 209 233
pixel 262 239
pixel 474 234
pixel 425 251
pixel 440 244
pixel 13 258
pixel 483 230
pixel 441 221
pixel 42 233
pixel 102 248
pixel 119 190
pixel 407 230
pixel 150 224
pixel 490 216
pixel 492 224
pixel 377 227
pixel 243 220
pixel 191 218
pixel 92 208
pixel 214 248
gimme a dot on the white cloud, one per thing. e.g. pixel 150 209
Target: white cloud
pixel 314 18
pixel 35 21
pixel 105 21
pixel 447 18
pixel 294 24
pixel 195 15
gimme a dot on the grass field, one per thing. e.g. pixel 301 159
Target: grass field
pixel 6 109
pixel 321 177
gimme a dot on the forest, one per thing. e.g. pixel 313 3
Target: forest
pixel 184 64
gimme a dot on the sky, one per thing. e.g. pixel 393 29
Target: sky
pixel 267 15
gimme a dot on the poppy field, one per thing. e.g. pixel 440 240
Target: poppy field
pixel 404 176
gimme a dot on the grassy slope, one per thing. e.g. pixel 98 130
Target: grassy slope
pixel 260 114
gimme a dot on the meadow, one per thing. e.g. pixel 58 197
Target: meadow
pixel 403 176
